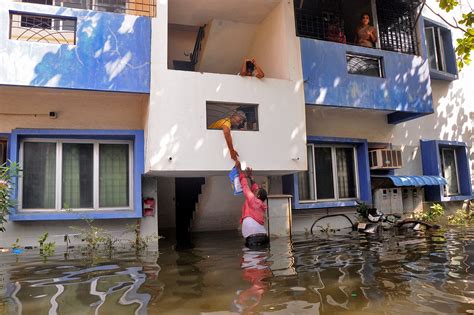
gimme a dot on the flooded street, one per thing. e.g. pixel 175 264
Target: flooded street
pixel 430 273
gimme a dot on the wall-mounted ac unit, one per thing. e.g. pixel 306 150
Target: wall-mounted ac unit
pixel 385 159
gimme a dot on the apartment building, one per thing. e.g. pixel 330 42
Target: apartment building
pixel 106 106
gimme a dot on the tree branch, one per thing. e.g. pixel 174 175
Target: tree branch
pixel 445 21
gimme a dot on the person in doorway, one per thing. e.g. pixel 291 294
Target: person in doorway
pixel 366 35
pixel 253 211
pixel 251 68
pixel 235 121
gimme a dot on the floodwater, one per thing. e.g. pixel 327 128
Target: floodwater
pixel 325 274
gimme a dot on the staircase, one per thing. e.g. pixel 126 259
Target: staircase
pixel 194 57
pixel 188 190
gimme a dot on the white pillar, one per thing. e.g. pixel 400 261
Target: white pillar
pixel 279 215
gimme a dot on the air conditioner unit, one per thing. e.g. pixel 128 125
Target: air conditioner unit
pixel 385 159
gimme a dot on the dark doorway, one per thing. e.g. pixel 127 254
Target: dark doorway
pixel 188 190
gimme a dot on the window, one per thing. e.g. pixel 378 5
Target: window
pixel 365 65
pixel 43 28
pixel 434 45
pixel 217 112
pixel 331 174
pixel 68 174
pixel 449 169
pixel 440 51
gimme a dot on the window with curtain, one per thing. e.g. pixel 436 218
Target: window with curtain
pixel 89 175
pixel 450 172
pixel 331 175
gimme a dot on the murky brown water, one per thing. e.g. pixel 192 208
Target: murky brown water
pixel 336 274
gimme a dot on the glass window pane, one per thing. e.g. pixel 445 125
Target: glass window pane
pixel 78 178
pixel 450 172
pixel 113 175
pixel 346 179
pixel 324 173
pixel 431 47
pixel 39 175
pixel 306 179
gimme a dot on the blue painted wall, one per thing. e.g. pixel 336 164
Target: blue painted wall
pixel 431 160
pixel 137 136
pixel 112 52
pixel 405 87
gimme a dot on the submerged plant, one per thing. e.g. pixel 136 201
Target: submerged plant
pixel 46 248
pixel 461 217
pixel 435 212
pixel 7 174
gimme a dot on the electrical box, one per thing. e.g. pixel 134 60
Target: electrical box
pixel 396 202
pixel 385 159
pixel 382 200
pixel 412 199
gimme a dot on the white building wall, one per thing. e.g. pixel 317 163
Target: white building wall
pixel 176 126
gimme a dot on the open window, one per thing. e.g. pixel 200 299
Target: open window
pixel 337 21
pixel 440 51
pixel 218 38
pixel 218 113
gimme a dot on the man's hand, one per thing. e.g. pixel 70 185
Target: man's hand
pixel 248 172
pixel 234 155
pixel 238 166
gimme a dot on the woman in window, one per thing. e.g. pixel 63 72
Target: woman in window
pixel 366 35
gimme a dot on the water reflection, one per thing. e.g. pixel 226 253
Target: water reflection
pixel 421 272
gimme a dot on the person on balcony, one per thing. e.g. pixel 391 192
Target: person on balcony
pixel 235 121
pixel 334 32
pixel 366 35
pixel 251 68
pixel 253 211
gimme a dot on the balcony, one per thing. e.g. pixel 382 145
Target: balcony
pixel 60 47
pixel 133 7
pixel 390 76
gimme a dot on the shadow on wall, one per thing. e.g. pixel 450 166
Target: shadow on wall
pixel 405 86
pixel 112 53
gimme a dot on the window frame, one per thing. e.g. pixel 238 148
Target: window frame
pixel 334 173
pixel 443 167
pixel 96 167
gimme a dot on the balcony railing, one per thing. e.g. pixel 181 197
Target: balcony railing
pixel 134 7
pixel 44 29
pixel 395 24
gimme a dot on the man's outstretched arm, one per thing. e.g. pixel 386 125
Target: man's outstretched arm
pixel 228 139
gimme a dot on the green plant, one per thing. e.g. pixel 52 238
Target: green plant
pixel 435 212
pixel 92 235
pixel 8 172
pixel 362 210
pixel 461 217
pixel 46 249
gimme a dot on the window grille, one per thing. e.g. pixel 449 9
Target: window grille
pixel 134 7
pixel 396 25
pixel 42 28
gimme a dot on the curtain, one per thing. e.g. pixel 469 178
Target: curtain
pixel 346 172
pixel 113 175
pixel 39 175
pixel 450 172
pixel 77 181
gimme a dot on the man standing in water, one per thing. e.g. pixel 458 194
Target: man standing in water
pixel 253 211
